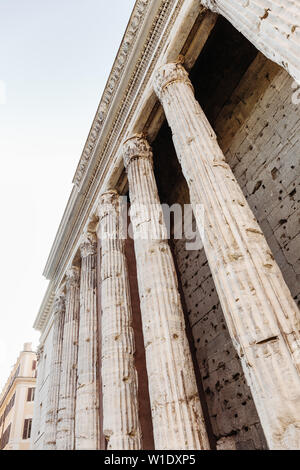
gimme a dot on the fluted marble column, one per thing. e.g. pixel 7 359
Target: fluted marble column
pixel 37 423
pixel 65 437
pixel 87 427
pixel 176 410
pixel 121 425
pixel 272 26
pixel 261 314
pixel 55 372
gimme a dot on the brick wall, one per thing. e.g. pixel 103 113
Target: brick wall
pixel 265 157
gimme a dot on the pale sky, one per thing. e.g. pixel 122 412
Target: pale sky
pixel 55 58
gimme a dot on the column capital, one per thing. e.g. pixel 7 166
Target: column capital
pixel 88 244
pixel 108 201
pixel 119 382
pixel 136 147
pixel 59 303
pixel 169 73
pixel 73 276
pixel 263 329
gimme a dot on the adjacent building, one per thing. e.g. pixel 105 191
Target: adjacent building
pixel 16 402
pixel 146 341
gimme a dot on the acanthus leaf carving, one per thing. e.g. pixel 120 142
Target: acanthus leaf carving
pixel 135 147
pixel 88 245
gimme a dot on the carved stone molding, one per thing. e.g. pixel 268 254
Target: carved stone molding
pixel 87 393
pixel 125 50
pixel 108 201
pixel 156 30
pixel 157 33
pixel 173 391
pixel 210 4
pixel 121 425
pixel 59 304
pixel 88 245
pixel 169 73
pixel 136 147
pixel 261 315
pixel 112 216
pixel 65 433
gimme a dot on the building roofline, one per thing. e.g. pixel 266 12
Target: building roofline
pixel 160 35
pixel 111 93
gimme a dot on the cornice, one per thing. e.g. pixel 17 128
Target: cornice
pixel 149 41
pixel 128 43
pixel 160 36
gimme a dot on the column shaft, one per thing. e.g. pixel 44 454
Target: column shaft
pixel 87 431
pixel 55 372
pixel 176 410
pixel 272 26
pixel 262 317
pixel 121 425
pixel 65 437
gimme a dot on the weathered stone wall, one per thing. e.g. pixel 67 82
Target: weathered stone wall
pixel 250 106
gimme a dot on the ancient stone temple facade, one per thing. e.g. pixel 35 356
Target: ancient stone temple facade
pixel 159 338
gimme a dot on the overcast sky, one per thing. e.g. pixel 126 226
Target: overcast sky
pixel 55 58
